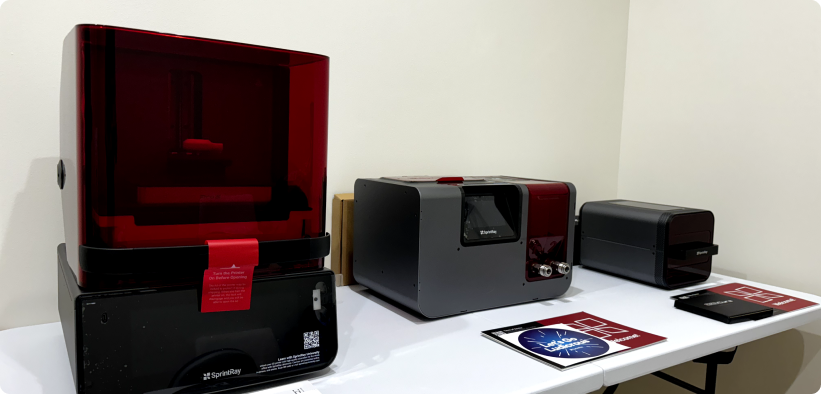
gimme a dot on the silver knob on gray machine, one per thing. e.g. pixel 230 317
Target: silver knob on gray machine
pixel 562 268
pixel 545 270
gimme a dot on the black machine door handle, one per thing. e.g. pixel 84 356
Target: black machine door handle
pixel 692 250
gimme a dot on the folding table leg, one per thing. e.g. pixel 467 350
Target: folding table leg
pixel 712 362
pixel 710 380
pixel 611 389
pixel 680 383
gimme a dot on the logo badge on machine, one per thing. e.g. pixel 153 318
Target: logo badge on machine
pixel 215 375
pixel 562 343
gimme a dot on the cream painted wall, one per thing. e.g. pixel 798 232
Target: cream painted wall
pixel 531 88
pixel 722 110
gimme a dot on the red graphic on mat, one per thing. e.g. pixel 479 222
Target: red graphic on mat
pixel 751 294
pixel 226 284
pixel 772 299
pixel 596 328
pixel 605 329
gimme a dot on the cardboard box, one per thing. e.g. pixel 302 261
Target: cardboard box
pixel 342 238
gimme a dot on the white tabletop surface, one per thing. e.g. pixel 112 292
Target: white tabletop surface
pixel 689 336
pixel 650 309
pixel 383 348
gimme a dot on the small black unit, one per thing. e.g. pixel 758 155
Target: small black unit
pixel 662 245
pixel 722 308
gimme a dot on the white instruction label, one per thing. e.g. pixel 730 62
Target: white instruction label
pixel 304 387
pixel 290 362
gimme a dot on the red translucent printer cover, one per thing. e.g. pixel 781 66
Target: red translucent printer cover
pixel 171 141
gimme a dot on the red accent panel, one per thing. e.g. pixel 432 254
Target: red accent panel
pixel 227 289
pixel 227 253
pixel 446 179
pixel 226 284
pixel 547 214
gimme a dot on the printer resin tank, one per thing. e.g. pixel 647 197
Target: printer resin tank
pixel 169 141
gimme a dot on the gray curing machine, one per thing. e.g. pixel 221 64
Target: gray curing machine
pixel 448 245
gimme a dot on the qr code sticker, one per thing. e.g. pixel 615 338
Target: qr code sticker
pixel 311 339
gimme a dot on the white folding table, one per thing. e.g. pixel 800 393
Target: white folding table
pixel 650 309
pixel 384 348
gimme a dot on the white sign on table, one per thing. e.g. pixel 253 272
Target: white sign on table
pixel 304 387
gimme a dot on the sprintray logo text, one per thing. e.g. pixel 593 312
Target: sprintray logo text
pixel 717 302
pixel 216 375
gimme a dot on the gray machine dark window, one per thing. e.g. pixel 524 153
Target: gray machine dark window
pixel 490 214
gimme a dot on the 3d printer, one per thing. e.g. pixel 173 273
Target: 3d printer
pixel 193 177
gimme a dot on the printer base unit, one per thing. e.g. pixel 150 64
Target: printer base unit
pixel 156 340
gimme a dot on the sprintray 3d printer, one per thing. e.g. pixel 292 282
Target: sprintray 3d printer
pixel 193 177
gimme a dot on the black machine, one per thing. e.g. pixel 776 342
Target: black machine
pixel 142 340
pixel 192 176
pixel 448 245
pixel 722 307
pixel 661 245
